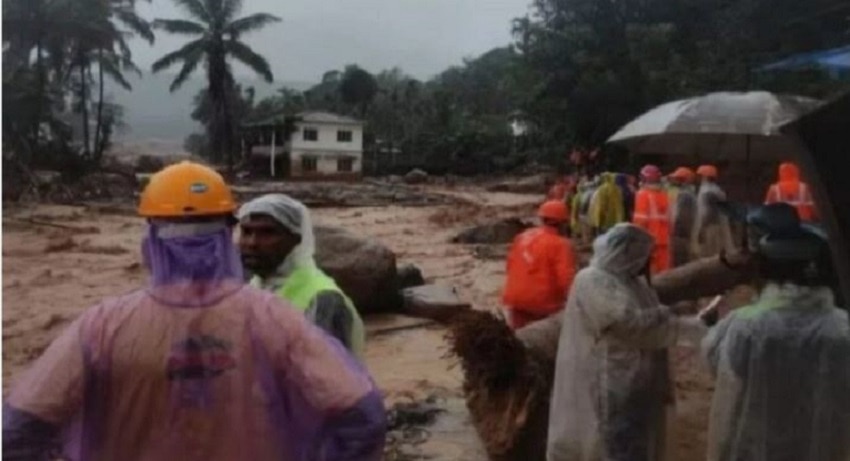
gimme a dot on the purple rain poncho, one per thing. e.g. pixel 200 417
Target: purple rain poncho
pixel 197 366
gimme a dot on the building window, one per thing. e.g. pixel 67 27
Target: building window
pixel 311 134
pixel 343 136
pixel 345 165
pixel 309 164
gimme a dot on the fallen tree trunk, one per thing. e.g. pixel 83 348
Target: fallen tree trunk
pixel 698 279
pixel 508 377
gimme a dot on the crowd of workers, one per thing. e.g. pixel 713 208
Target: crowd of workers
pixel 200 364
pixel 781 364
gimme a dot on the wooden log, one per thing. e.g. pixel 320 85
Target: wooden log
pixel 698 279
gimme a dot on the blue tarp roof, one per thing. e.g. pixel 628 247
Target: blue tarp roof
pixel 834 60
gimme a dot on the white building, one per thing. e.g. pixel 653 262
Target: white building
pixel 319 145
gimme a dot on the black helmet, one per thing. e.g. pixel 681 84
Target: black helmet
pixel 783 237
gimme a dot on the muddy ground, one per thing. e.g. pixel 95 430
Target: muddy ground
pixel 58 260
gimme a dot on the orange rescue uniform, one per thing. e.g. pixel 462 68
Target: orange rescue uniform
pixel 652 213
pixel 540 270
pixel 789 189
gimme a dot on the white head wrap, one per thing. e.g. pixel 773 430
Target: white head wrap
pixel 623 250
pixel 292 215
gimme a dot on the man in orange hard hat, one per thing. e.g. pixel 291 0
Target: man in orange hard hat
pixel 540 268
pixel 197 365
pixel 683 202
pixel 652 214
pixel 712 233
pixel 791 190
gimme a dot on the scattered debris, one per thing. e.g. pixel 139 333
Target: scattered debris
pixel 52 320
pixel 416 176
pixel 502 231
pixel 436 302
pixel 406 428
pixel 60 244
pixel 497 252
pixel 73 229
pixel 409 276
pixel 361 194
pixel 536 184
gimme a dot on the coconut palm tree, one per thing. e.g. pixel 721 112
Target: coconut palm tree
pixel 217 34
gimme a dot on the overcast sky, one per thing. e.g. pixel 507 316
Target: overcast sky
pixel 423 37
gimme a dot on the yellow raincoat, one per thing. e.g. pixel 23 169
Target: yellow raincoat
pixel 606 207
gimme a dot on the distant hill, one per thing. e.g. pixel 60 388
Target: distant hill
pixel 154 116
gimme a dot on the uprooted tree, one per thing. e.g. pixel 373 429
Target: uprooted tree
pixel 508 377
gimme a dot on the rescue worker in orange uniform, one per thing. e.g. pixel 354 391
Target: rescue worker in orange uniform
pixel 791 190
pixel 540 268
pixel 652 213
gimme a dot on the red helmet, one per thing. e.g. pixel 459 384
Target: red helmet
pixel 650 173
pixel 555 210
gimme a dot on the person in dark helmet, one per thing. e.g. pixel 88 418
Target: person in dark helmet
pixel 782 364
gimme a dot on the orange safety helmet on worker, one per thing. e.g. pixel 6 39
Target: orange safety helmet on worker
pixel 791 190
pixel 652 213
pixel 707 171
pixel 186 189
pixel 540 269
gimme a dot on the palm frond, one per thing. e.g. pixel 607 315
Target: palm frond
pixel 250 23
pixel 189 66
pixel 179 26
pixel 197 9
pixel 183 54
pixel 244 54
pixel 111 69
pixel 229 9
pixel 136 23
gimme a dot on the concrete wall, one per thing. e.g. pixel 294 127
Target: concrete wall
pixel 327 164
pixel 328 138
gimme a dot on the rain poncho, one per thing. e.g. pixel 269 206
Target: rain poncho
pixel 783 379
pixel 606 205
pixel 612 380
pixel 328 307
pixel 791 190
pixel 711 233
pixel 628 194
pixel 652 213
pixel 540 268
pixel 684 214
pixel 197 366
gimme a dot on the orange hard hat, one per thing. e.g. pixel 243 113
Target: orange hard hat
pixel 555 210
pixel 186 189
pixel 683 173
pixel 708 171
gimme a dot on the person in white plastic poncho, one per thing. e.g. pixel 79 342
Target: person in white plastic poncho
pixel 782 364
pixel 277 245
pixel 612 378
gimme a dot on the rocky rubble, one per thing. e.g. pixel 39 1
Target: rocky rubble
pixel 360 194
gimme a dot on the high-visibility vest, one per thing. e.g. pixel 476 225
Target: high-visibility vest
pixel 653 214
pixel 304 283
pixel 801 200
